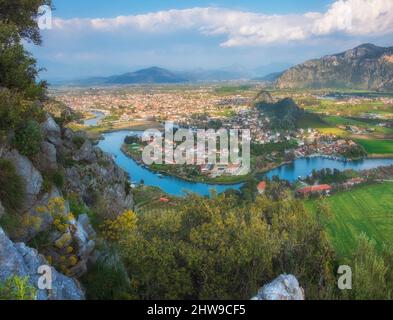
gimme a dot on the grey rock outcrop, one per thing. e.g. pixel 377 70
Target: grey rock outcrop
pixel 46 159
pixel 285 287
pixel 18 259
pixel 365 67
pixel 31 177
pixel 51 131
pixel 96 177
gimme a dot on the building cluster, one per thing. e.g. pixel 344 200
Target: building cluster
pixel 155 103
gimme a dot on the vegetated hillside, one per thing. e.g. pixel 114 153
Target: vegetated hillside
pixel 150 75
pixel 284 114
pixel 365 67
pixel 153 75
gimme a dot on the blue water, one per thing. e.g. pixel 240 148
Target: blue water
pixel 171 185
pixel 94 121
pixel 178 187
pixel 303 167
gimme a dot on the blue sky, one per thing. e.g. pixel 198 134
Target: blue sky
pixel 106 8
pixel 100 37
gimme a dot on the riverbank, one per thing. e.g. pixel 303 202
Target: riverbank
pixel 222 180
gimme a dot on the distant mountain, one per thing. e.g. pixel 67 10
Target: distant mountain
pixel 150 75
pixel 364 67
pixel 213 75
pixel 271 77
pixel 153 75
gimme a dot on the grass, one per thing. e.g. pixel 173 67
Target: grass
pixel 367 209
pixel 315 121
pixel 381 147
pixel 148 199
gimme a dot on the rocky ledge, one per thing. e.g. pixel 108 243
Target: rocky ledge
pixel 16 259
pixel 285 287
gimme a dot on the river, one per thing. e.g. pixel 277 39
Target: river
pixel 93 122
pixel 303 167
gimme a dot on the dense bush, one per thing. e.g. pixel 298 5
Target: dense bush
pixel 12 190
pixel 78 141
pixel 218 249
pixel 372 272
pixel 17 288
pixel 28 138
pixel 106 281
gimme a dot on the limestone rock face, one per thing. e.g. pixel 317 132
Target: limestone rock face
pixel 94 175
pixel 364 67
pixel 51 131
pixel 46 159
pixel 285 287
pixel 31 177
pixel 18 259
pixel 85 153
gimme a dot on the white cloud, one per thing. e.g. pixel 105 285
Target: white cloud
pixel 348 17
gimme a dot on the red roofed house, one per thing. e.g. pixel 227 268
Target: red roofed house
pixel 261 187
pixel 322 189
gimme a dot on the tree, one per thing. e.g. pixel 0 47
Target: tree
pixel 23 15
pixel 18 71
pixel 372 272
pixel 219 248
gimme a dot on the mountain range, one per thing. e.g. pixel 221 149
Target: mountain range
pixel 159 75
pixel 365 67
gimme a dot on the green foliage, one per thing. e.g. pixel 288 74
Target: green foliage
pixel 53 178
pixel 329 176
pixel 23 16
pixel 28 138
pixel 372 272
pixel 377 146
pixel 217 249
pixel 268 148
pixel 17 288
pixel 284 114
pixel 366 209
pixel 12 190
pixel 106 281
pixel 15 110
pixel 78 141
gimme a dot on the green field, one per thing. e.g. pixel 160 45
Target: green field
pixel 377 146
pixel 367 209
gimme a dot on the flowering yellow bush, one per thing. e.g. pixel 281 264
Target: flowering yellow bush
pixel 115 230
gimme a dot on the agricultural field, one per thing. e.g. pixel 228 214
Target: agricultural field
pixel 367 209
pixel 378 147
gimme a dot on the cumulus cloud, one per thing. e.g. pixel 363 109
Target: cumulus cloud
pixel 241 28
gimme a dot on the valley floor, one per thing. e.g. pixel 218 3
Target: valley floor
pixel 367 209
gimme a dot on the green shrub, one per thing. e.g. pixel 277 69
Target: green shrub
pixel 58 179
pixel 105 281
pixel 17 288
pixel 28 138
pixel 12 190
pixel 78 141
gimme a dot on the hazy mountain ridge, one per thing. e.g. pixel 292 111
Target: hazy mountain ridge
pixel 364 67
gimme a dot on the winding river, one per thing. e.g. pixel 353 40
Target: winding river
pixel 93 122
pixel 303 167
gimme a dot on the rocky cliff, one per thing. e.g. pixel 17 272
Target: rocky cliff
pixel 364 67
pixel 16 259
pixel 66 166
